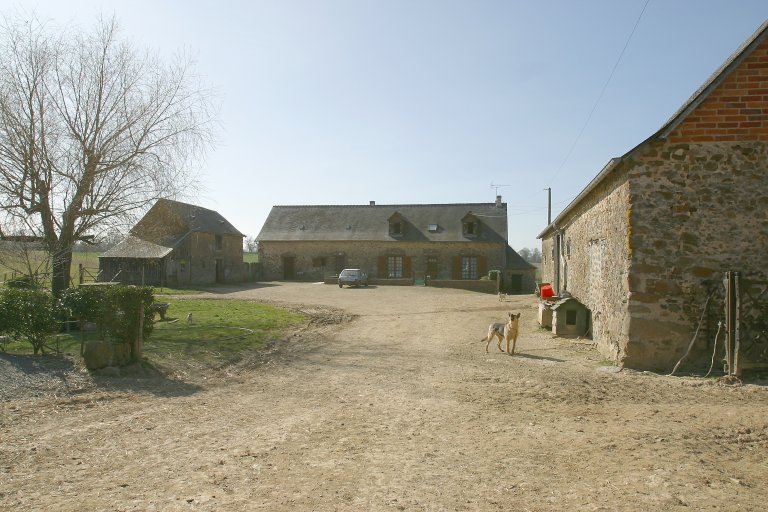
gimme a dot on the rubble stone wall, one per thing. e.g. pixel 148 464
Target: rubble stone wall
pixel 698 210
pixel 594 260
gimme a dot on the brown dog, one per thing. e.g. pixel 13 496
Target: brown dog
pixel 507 331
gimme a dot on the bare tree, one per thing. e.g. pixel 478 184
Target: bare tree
pixel 22 256
pixel 251 244
pixel 92 131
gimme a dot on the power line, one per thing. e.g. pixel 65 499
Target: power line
pixel 600 96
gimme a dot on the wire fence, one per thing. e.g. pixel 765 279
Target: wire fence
pixel 79 275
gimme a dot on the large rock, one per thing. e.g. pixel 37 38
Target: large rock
pixel 97 354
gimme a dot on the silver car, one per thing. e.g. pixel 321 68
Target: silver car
pixel 353 277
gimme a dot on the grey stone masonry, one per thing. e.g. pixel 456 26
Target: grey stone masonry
pixel 314 260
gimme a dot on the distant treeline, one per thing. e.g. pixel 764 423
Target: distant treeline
pixel 530 255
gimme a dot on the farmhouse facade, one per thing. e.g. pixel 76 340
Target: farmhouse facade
pixel 177 244
pixel 436 242
pixel 645 242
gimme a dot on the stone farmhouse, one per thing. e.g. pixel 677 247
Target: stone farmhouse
pixel 176 244
pixel 395 244
pixel 644 243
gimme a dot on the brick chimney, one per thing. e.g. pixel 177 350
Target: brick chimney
pixel 498 201
pixel 372 203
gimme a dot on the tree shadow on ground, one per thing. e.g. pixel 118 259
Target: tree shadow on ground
pixel 224 289
pixel 539 358
pixel 28 376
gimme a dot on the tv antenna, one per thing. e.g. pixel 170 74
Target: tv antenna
pixel 496 187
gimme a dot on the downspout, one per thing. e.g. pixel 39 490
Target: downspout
pixel 557 263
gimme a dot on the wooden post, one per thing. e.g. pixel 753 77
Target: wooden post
pixel 737 323
pixel 727 282
pixel 140 334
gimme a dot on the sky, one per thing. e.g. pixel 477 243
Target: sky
pixel 426 101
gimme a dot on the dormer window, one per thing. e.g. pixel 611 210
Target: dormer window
pixel 396 225
pixel 470 226
pixel 432 228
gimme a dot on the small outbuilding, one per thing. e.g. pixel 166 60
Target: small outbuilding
pixel 570 318
pixel 176 244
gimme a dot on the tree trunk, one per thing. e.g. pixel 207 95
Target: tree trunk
pixel 62 262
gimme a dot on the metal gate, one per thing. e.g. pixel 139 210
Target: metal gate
pixel 740 309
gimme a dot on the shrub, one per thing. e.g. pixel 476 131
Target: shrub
pixel 121 318
pixel 86 304
pixel 30 314
pixel 22 282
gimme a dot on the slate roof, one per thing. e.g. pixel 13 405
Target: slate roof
pixel 195 218
pixel 701 94
pixel 516 262
pixel 370 222
pixel 133 247
pixel 192 217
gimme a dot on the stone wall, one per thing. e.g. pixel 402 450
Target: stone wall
pixel 479 285
pixel 594 260
pixel 642 248
pixel 526 278
pixel 315 260
pixel 681 209
pixel 699 209
pixel 194 260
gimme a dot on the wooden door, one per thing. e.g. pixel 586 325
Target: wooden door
pixel 289 268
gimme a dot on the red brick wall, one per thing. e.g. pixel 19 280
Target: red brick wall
pixel 737 110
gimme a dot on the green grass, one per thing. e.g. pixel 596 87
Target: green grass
pixel 219 330
pixel 218 335
pixel 165 290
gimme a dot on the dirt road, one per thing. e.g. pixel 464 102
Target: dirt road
pixel 398 409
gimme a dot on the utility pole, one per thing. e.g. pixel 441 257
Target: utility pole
pixel 549 205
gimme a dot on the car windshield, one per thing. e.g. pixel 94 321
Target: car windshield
pixel 351 273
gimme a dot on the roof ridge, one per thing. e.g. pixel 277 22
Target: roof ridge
pixel 700 95
pixel 714 79
pixel 182 203
pixel 380 205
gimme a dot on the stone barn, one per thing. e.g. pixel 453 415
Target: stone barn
pixel 649 239
pixel 177 244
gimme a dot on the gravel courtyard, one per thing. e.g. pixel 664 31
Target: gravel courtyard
pixel 396 408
